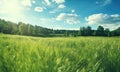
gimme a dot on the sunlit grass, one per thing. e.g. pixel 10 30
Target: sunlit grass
pixel 72 54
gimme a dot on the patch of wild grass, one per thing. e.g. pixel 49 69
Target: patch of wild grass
pixel 80 54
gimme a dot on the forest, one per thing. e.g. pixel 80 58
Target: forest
pixel 8 27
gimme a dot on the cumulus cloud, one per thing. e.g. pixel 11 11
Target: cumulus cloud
pixel 104 19
pixel 68 18
pixel 38 9
pixel 61 6
pixel 47 2
pixel 106 2
pixel 59 1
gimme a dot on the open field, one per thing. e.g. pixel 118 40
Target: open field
pixel 72 54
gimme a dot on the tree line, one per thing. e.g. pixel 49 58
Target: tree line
pixel 8 27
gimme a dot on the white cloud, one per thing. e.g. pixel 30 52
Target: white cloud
pixel 68 18
pixel 103 3
pixel 104 19
pixel 47 2
pixel 27 3
pixel 73 11
pixel 59 1
pixel 38 9
pixel 61 6
pixel 106 2
pixel 111 27
pixel 33 2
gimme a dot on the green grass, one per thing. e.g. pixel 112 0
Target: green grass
pixel 79 54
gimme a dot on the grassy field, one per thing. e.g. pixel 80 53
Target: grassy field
pixel 72 54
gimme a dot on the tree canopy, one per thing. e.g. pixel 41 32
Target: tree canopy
pixel 21 28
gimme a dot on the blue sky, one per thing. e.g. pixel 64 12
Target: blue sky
pixel 63 14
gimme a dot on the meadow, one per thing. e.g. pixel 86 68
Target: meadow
pixel 59 54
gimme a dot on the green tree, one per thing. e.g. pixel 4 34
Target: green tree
pixel 82 31
pixel 23 28
pixel 66 33
pixel 85 31
pixel 2 23
pixel 107 32
pixel 88 31
pixel 116 32
pixel 100 31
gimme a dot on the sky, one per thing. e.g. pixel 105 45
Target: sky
pixel 63 14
